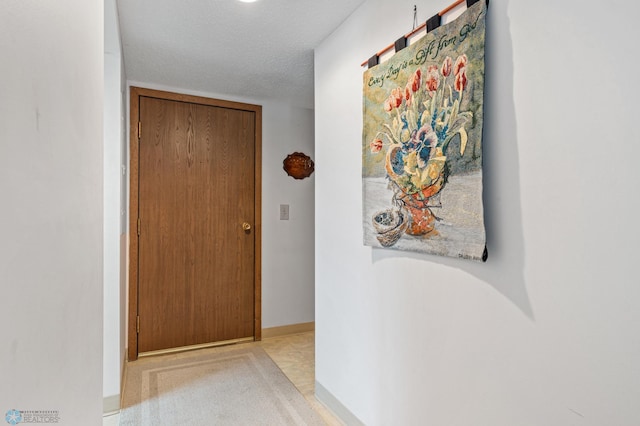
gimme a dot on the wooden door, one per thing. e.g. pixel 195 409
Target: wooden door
pixel 197 226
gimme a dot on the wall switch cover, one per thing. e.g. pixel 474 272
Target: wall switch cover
pixel 284 211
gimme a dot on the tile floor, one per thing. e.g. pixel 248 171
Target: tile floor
pixel 294 354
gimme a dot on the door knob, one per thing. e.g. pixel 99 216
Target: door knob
pixel 246 226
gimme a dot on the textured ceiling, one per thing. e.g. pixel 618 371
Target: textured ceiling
pixel 260 50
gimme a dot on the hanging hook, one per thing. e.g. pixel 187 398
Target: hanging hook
pixel 415 16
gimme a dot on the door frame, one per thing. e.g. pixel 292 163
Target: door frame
pixel 134 170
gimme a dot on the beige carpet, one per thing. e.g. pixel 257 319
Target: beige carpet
pixel 237 385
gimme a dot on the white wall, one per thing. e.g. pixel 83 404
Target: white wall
pixel 51 85
pixel 287 246
pixel 114 217
pixel 546 332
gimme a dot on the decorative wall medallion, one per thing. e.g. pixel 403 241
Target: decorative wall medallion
pixel 298 165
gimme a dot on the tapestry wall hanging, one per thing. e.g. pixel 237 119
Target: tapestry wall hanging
pixel 422 143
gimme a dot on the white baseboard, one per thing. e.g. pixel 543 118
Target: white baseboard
pixel 336 407
pixel 110 405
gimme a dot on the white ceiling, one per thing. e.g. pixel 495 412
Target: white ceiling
pixel 261 50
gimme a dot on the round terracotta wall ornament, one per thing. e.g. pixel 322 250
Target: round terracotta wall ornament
pixel 298 165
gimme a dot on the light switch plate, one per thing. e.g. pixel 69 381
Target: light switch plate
pixel 284 211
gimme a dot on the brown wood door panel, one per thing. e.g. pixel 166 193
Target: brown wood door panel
pixel 196 188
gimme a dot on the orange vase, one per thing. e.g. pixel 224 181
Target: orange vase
pixel 421 218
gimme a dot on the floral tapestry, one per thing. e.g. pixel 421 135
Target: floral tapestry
pixel 422 143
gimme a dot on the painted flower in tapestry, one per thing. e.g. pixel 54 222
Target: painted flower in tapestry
pixel 423 123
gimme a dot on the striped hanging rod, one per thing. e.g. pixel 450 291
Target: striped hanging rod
pixel 421 27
